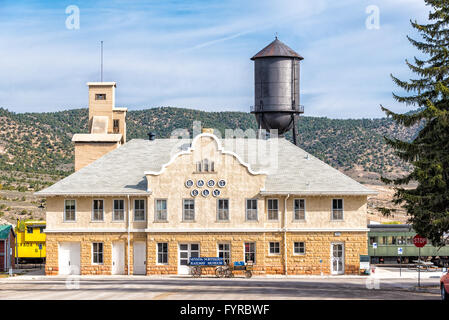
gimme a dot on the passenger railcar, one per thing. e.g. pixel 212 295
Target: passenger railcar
pixel 390 237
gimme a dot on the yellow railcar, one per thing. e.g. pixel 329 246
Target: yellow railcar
pixel 30 241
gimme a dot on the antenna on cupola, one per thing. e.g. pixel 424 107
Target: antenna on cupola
pixel 101 62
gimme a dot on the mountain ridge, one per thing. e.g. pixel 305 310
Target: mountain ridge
pixel 41 142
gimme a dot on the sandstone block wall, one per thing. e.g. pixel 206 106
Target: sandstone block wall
pixel 318 247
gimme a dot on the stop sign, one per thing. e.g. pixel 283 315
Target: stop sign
pixel 419 241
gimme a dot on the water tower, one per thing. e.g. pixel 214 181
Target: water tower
pixel 276 84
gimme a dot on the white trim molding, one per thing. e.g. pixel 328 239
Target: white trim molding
pixel 212 230
pixel 197 230
pixel 318 193
pixel 192 148
pixel 92 230
pixel 92 194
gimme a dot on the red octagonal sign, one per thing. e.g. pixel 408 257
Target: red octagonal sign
pixel 419 241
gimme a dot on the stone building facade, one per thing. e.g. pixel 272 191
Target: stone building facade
pixel 147 206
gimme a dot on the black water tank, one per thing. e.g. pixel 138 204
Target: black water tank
pixel 276 87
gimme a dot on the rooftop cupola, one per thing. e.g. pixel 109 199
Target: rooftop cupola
pixel 107 126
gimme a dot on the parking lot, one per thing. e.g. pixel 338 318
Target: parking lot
pixel 384 285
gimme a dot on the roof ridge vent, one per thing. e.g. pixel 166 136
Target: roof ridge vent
pixel 151 136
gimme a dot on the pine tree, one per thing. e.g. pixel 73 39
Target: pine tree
pixel 427 205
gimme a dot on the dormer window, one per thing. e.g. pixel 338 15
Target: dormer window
pixel 100 96
pixel 205 166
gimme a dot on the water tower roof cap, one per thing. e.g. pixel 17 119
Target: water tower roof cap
pixel 277 49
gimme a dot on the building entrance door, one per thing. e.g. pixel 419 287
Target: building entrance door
pixel 187 251
pixel 118 258
pixel 69 258
pixel 337 258
pixel 140 258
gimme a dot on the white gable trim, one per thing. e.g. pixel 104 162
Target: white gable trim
pixel 192 148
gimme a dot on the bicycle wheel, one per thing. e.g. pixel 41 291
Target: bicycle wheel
pixel 219 272
pixel 196 272
pixel 248 274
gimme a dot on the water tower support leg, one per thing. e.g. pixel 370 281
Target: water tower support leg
pixel 295 129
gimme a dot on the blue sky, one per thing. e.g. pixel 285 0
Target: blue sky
pixel 195 54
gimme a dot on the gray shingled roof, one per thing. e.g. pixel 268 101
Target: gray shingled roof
pixel 121 171
pixel 277 49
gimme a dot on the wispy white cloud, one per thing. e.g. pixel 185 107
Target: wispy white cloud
pixel 196 54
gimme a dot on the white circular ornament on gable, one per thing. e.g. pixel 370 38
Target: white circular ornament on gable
pixel 222 183
pixel 205 193
pixel 211 183
pixel 216 193
pixel 200 183
pixel 189 183
pixel 194 193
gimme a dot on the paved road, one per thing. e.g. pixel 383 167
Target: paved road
pixel 177 287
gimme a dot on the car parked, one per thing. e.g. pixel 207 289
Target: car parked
pixel 444 286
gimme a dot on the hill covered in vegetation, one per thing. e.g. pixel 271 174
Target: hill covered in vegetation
pixel 41 142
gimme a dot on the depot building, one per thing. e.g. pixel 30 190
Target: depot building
pixel 147 206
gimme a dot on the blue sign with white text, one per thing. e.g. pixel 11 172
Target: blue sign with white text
pixel 203 261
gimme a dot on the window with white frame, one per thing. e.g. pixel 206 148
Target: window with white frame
pixel 251 209
pixel 118 209
pixel 275 248
pixel 224 251
pixel 97 252
pixel 273 209
pixel 139 210
pixel 69 210
pixel 98 210
pixel 162 253
pixel 223 209
pixel 188 212
pixel 161 210
pixel 250 252
pixel 337 209
pixel 299 248
pixel 300 209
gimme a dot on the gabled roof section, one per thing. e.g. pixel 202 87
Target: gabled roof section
pixel 119 172
pixel 122 171
pixel 219 148
pixel 301 173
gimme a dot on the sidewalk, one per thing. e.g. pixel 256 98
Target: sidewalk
pixel 379 273
pixel 395 273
